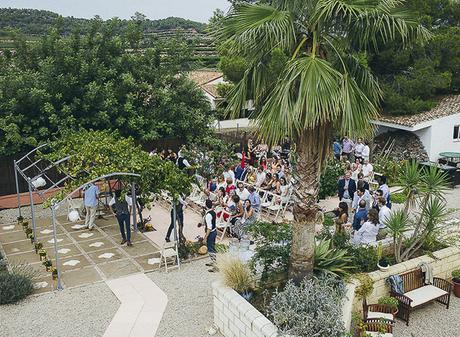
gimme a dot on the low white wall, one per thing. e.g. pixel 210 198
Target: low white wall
pixel 443 263
pixel 236 317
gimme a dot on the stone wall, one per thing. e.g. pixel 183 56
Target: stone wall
pixel 236 317
pixel 443 263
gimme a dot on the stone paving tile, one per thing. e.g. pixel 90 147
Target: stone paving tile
pixel 47 231
pixel 12 237
pixel 74 262
pixel 106 255
pixel 28 257
pixel 86 235
pixel 149 262
pixel 118 268
pixel 48 242
pixel 106 221
pixel 17 247
pixel 80 277
pixel 44 284
pixel 65 251
pixel 140 248
pixel 8 228
pixel 96 245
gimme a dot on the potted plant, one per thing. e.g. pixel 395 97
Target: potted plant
pixel 390 302
pixel 382 263
pixel 48 264
pixel 20 220
pixel 31 237
pixel 456 282
pixel 42 254
pixel 38 246
pixel 25 225
pixel 54 273
pixel 28 231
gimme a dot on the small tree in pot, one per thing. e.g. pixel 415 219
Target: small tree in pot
pixel 456 282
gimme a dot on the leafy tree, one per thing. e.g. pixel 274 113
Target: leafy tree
pixel 97 153
pixel 323 86
pixel 108 79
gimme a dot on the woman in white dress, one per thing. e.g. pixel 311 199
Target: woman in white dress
pixel 369 230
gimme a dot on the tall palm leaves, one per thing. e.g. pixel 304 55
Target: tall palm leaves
pixel 324 85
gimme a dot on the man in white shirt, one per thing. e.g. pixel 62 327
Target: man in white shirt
pixel 361 194
pixel 367 170
pixel 242 192
pixel 210 236
pixel 230 173
pixel 359 149
pixel 260 176
pixel 366 152
pixel 384 216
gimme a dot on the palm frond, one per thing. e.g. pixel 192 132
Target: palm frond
pixel 388 21
pixel 347 10
pixel 257 29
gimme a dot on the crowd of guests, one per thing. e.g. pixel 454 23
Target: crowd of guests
pixel 364 198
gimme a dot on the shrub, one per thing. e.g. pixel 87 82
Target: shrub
pixel 398 198
pixel 312 309
pixel 15 285
pixel 366 286
pixel 236 274
pixel 273 247
pixel 329 178
pixel 364 258
pixel 332 260
pixel 389 301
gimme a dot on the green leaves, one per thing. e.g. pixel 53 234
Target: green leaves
pixel 332 260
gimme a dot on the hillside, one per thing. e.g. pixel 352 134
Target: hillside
pixel 35 23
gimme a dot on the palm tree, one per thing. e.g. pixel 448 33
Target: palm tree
pixel 308 78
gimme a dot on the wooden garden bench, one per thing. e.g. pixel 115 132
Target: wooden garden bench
pixel 417 293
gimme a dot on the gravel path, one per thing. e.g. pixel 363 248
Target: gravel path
pixel 78 312
pixel 190 308
pixel 432 320
pixel 10 215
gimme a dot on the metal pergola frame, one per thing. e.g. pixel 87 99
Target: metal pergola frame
pixel 32 163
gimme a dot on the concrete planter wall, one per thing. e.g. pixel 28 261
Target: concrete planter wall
pixel 236 317
pixel 443 263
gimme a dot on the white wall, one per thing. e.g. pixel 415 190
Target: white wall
pixel 425 136
pixel 442 136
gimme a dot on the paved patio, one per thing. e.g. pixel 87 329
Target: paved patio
pixel 85 256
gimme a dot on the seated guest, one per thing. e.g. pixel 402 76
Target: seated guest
pixel 263 162
pixel 241 191
pixel 221 182
pixel 229 186
pixel 236 216
pixel 239 170
pixel 249 216
pixel 347 187
pixel 254 198
pixel 260 176
pixel 342 216
pixel 230 173
pixel 267 184
pixel 367 169
pixel 360 216
pixel 369 230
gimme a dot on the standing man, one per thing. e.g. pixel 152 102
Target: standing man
pixel 337 148
pixel 347 188
pixel 210 236
pixel 179 218
pixel 347 147
pixel 359 150
pixel 366 153
pixel 367 170
pixel 122 210
pixel 91 195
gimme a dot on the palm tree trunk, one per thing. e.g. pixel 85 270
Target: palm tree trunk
pixel 312 149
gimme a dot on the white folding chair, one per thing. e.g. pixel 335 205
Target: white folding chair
pixel 222 224
pixel 170 250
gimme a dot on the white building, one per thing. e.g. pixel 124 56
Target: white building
pixel 208 80
pixel 438 129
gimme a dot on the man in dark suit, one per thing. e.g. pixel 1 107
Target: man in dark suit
pixel 347 187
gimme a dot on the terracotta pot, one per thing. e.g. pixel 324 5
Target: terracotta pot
pixel 456 283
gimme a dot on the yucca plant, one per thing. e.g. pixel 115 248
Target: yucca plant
pixel 307 78
pixel 332 260
pixel 424 188
pixel 236 274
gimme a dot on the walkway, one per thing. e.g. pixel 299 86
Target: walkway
pixel 85 256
